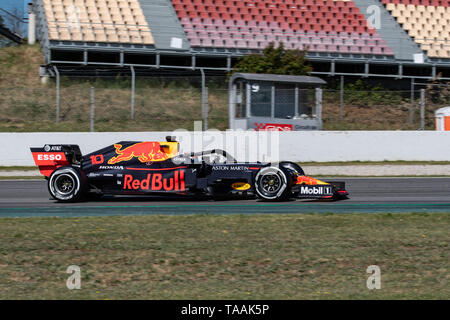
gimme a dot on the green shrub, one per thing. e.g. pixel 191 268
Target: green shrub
pixel 275 61
pixel 358 93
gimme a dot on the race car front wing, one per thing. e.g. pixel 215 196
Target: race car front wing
pixel 322 190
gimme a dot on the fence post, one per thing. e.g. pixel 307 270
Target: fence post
pixel 204 101
pixel 319 106
pixel 133 76
pixel 341 101
pixel 205 110
pixel 92 109
pixel 411 108
pixel 422 109
pixel 232 104
pixel 57 93
pixel 272 100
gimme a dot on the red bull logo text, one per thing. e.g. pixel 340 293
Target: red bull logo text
pixel 144 151
pixel 156 182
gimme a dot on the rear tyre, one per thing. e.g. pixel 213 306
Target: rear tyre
pixel 66 185
pixel 273 184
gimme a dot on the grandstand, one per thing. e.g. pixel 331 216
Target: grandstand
pixel 299 25
pixel 97 21
pixel 427 22
pixel 412 40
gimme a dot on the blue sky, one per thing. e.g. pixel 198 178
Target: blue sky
pixel 20 5
pixel 11 4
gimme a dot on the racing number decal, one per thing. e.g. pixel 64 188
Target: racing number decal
pixel 97 159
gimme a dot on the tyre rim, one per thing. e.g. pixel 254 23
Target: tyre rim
pixel 64 184
pixel 271 183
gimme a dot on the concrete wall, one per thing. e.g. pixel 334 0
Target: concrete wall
pixel 319 146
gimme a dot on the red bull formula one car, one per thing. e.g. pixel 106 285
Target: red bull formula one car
pixel 158 169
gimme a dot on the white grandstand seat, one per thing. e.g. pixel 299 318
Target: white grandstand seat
pixel 53 35
pixel 89 37
pixel 64 35
pixel 100 37
pixel 113 38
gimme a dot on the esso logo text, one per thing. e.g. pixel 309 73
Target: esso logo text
pixel 49 157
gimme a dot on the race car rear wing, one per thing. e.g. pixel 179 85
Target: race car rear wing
pixel 51 157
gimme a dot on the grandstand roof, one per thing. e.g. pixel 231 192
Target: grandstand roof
pixel 278 78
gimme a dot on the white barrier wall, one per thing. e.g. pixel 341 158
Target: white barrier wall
pixel 318 146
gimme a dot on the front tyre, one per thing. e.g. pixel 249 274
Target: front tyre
pixel 66 185
pixel 273 184
pixel 292 166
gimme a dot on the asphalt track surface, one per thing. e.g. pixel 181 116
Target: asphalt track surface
pixel 30 198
